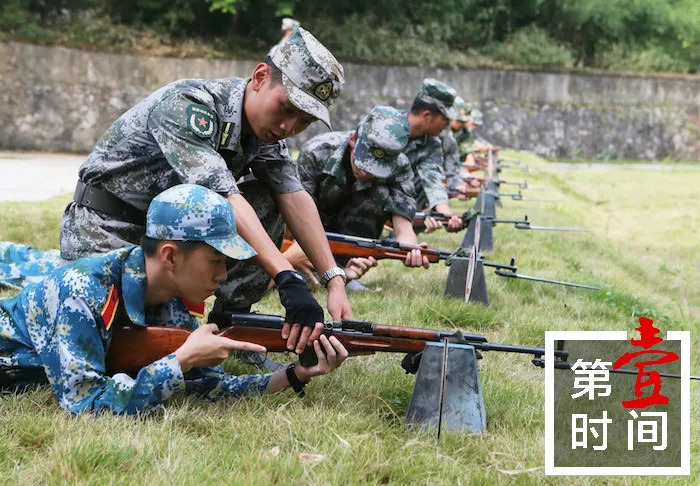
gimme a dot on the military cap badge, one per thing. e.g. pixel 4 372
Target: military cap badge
pixel 378 153
pixel 323 90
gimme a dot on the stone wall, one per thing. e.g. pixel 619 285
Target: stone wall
pixel 59 99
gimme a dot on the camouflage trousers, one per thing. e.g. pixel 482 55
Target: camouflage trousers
pixel 363 213
pixel 246 282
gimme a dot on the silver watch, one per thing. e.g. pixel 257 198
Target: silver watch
pixel 333 272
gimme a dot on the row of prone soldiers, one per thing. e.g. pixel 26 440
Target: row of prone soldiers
pixel 189 193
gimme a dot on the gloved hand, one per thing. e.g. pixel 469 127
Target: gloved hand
pixel 297 300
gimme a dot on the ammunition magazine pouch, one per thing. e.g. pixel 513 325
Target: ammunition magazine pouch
pixel 105 202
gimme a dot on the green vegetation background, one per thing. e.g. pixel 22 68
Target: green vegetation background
pixel 615 35
pixel 643 250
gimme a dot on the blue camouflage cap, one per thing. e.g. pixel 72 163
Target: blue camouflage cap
pixel 189 212
pixel 381 137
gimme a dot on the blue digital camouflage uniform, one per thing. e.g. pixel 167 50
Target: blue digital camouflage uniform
pixel 347 205
pixel 59 330
pixel 451 165
pixel 21 265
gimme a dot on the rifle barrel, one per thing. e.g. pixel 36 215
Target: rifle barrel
pixel 564 365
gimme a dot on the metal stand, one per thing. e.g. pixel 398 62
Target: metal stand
pixel 466 280
pixel 484 232
pixel 448 392
pixel 492 187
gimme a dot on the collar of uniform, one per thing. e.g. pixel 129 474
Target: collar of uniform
pixel 334 165
pixel 134 286
pixel 229 108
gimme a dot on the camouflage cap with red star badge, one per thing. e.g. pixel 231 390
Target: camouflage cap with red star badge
pixel 312 77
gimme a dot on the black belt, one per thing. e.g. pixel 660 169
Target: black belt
pixel 105 202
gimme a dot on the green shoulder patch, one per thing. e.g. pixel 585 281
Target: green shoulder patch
pixel 201 120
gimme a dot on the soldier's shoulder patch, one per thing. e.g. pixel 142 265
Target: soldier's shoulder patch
pixel 201 120
pixel 110 308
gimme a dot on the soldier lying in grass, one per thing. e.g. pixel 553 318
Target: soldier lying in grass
pixel 59 331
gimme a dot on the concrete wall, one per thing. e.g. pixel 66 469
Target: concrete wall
pixel 60 99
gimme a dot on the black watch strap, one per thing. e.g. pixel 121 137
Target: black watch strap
pixel 297 385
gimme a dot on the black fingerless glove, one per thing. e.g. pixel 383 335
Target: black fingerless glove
pixel 297 300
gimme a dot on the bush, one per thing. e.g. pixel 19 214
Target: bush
pixel 530 46
pixel 649 59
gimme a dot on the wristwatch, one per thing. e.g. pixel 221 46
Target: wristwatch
pixel 296 384
pixel 333 272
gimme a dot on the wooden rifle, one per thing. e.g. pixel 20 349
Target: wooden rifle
pixel 135 347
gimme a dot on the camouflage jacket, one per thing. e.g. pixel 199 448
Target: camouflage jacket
pixel 465 141
pixel 189 131
pixel 22 265
pixel 425 155
pixel 450 157
pixel 60 329
pixel 325 171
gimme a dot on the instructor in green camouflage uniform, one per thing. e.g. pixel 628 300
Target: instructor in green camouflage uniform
pixel 214 133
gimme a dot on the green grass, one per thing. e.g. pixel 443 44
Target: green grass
pixel 644 251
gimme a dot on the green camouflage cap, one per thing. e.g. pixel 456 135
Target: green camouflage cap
pixel 381 137
pixel 439 94
pixel 462 111
pixel 476 117
pixel 289 24
pixel 312 77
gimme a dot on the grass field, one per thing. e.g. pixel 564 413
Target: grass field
pixel 644 251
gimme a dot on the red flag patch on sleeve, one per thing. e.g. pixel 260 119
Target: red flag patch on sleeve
pixel 110 307
pixel 196 310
